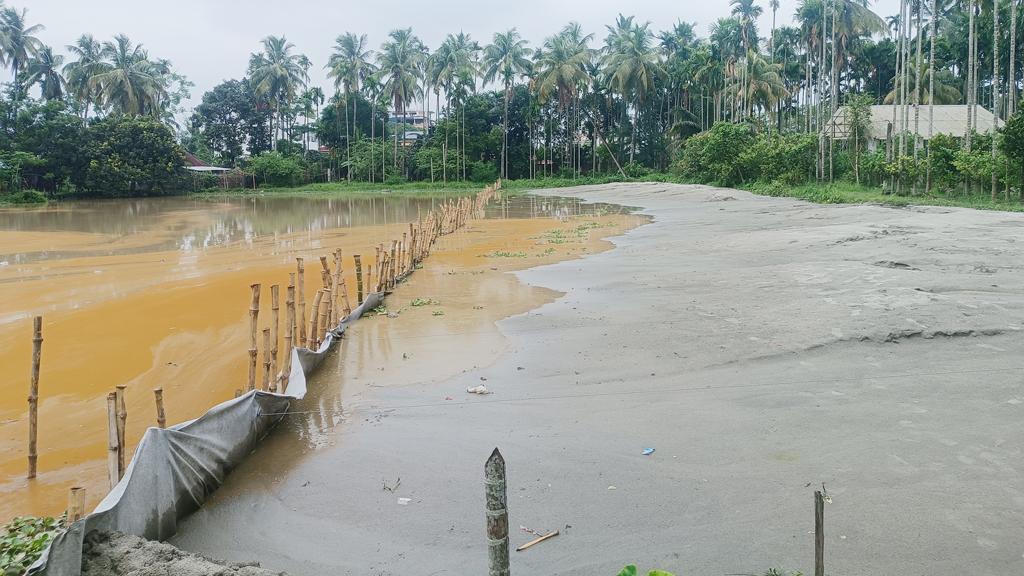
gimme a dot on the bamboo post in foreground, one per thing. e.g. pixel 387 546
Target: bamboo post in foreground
pixel 391 264
pixel 497 515
pixel 819 534
pixel 301 269
pixel 112 446
pixel 289 337
pixel 376 266
pixel 275 333
pixel 325 312
pixel 161 419
pixel 254 312
pixel 76 504
pixel 359 279
pixel 33 396
pixel 122 420
pixel 266 359
pixel 313 319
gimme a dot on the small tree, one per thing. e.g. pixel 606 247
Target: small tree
pixel 858 117
pixel 1012 144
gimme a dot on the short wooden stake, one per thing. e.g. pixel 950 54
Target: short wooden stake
pixel 314 318
pixel 113 470
pixel 497 515
pixel 122 421
pixel 161 419
pixel 76 504
pixel 359 278
pixel 275 332
pixel 819 534
pixel 33 396
pixel 301 268
pixel 254 312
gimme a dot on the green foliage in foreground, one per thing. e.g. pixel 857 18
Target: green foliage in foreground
pixel 850 193
pixel 631 571
pixel 23 540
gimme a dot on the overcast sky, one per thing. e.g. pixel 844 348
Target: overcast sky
pixel 210 40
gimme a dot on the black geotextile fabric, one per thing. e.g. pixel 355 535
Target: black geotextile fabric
pixel 175 469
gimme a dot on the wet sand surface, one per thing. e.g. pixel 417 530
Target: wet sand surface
pixel 154 293
pixel 762 346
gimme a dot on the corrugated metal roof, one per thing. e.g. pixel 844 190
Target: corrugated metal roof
pixel 949 119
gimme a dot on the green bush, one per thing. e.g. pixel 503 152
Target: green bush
pixel 276 169
pixel 713 157
pixel 483 172
pixel 631 571
pixel 23 540
pixel 789 159
pixel 24 197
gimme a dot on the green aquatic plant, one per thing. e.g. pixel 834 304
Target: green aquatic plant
pixel 631 571
pixel 24 539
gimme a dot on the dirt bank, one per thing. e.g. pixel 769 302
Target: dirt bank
pixel 121 555
pixel 762 346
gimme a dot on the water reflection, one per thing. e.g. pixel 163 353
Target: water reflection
pixel 191 225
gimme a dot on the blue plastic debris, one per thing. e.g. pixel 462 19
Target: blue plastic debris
pixel 648 451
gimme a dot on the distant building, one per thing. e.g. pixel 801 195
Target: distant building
pixel 950 120
pixel 415 118
pixel 193 163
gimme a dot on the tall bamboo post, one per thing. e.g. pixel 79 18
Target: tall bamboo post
pixel 391 264
pixel 113 470
pixel 33 396
pixel 343 288
pixel 403 262
pixel 161 419
pixel 289 336
pixel 301 269
pixel 122 421
pixel 336 293
pixel 76 504
pixel 325 312
pixel 254 312
pixel 314 333
pixel 359 278
pixel 275 333
pixel 266 359
pixel 497 515
pixel 376 266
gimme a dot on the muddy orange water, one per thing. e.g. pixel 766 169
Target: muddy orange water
pixel 154 293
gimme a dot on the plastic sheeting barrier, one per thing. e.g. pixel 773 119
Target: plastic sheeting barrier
pixel 174 470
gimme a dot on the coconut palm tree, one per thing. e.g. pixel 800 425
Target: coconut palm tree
pixel 349 65
pixel 127 80
pixel 44 69
pixel 631 66
pixel 774 5
pixel 453 67
pixel 277 74
pixel 506 58
pixel 763 85
pixel 399 61
pixel 561 69
pixel 748 12
pixel 88 53
pixel 18 43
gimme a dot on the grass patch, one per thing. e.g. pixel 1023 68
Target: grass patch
pixel 504 254
pixel 417 302
pixel 850 193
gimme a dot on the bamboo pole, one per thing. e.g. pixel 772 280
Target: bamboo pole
pixel 122 421
pixel 313 320
pixel 161 420
pixel 254 312
pixel 301 269
pixel 325 312
pixel 266 359
pixel 497 515
pixel 289 336
pixel 402 260
pixel 275 333
pixel 359 278
pixel 819 534
pixel 344 288
pixel 376 266
pixel 336 294
pixel 33 396
pixel 391 265
pixel 113 471
pixel 76 504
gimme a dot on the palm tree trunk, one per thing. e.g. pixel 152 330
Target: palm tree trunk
pixel 995 90
pixel 504 141
pixel 970 74
pixel 348 142
pixel 1011 102
pixel 931 97
pixel 632 137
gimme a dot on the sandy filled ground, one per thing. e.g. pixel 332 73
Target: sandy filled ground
pixel 762 346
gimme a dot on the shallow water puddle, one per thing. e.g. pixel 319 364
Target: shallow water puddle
pixel 154 293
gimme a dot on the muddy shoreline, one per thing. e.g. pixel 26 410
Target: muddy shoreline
pixel 762 346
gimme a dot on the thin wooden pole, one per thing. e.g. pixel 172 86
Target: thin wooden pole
pixel 254 312
pixel 336 294
pixel 391 264
pixel 33 396
pixel 266 359
pixel 497 515
pixel 376 266
pixel 325 312
pixel 819 534
pixel 76 504
pixel 112 445
pixel 301 268
pixel 122 421
pixel 161 419
pixel 359 278
pixel 275 333
pixel 314 318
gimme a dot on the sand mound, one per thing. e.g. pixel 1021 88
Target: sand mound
pixel 115 554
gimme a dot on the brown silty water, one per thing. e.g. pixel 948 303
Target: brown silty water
pixel 154 293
